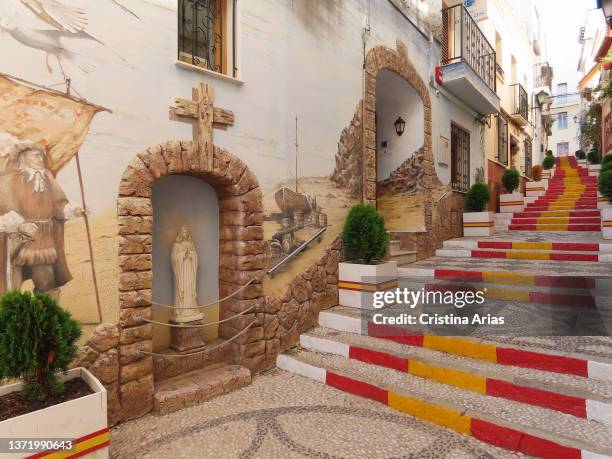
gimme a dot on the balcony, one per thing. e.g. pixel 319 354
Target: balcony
pixel 468 61
pixel 544 76
pixel 520 110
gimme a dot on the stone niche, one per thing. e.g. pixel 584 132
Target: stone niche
pixel 240 249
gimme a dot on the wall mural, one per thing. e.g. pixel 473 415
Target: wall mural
pixel 66 53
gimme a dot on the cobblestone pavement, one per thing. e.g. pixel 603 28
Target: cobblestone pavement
pixel 286 416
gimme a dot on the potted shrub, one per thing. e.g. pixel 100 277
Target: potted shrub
pixel 476 220
pixel 581 158
pixel 537 187
pixel 37 344
pixel 604 185
pixel 511 201
pixel 594 162
pixel 365 242
pixel 548 163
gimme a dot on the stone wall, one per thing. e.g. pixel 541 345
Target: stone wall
pixel 406 178
pixel 100 355
pixel 348 171
pixel 447 223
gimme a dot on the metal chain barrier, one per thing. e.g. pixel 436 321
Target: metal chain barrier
pixel 212 303
pixel 208 349
pixel 149 321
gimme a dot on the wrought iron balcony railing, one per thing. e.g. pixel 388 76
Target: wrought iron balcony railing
pixel 463 41
pixel 521 102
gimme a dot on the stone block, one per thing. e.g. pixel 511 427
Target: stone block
pixel 137 397
pixel 104 337
pixel 136 370
pixel 135 298
pixel 134 334
pixel 135 225
pixel 136 262
pixel 134 206
pixel 130 317
pixel 135 244
pixel 106 366
pixel 135 280
pixel 129 353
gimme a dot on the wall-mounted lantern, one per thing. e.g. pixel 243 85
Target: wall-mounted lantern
pixel 400 124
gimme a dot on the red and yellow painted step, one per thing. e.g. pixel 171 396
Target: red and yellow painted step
pixel 558 213
pixel 556 227
pixel 466 347
pixel 488 430
pixel 472 381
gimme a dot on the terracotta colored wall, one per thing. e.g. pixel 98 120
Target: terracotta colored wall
pixel 495 172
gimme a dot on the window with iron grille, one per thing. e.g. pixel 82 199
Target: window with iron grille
pixel 203 34
pixel 528 157
pixel 460 158
pixel 502 140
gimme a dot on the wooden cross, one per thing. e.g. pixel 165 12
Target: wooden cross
pixel 204 116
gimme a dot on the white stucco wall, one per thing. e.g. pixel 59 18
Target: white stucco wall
pixel 396 97
pixel 570 134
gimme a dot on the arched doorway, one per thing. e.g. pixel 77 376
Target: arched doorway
pixel 240 259
pixel 378 59
pixel 399 152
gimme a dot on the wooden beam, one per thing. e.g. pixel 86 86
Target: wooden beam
pixel 204 95
pixel 185 108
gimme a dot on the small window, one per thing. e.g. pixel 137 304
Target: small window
pixel 562 148
pixel 460 158
pixel 562 120
pixel 205 34
pixel 502 140
pixel 562 93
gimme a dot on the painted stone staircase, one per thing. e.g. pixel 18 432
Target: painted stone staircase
pixel 528 395
pixel 541 396
pixel 569 204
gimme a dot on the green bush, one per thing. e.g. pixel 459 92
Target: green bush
pixel 549 162
pixel 580 154
pixel 37 341
pixel 477 197
pixel 510 179
pixel 549 153
pixel 364 236
pixel 604 184
pixel 593 156
pixel 606 161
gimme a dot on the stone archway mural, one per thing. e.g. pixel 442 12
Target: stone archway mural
pixel 241 249
pixel 384 58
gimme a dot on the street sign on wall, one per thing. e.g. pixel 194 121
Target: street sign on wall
pixel 477 8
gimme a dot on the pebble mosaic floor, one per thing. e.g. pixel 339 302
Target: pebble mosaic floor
pixel 282 415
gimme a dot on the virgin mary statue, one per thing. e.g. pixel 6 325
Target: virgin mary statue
pixel 185 266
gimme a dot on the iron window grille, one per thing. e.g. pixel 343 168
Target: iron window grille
pixel 502 140
pixel 463 41
pixel 521 102
pixel 202 33
pixel 528 157
pixel 460 158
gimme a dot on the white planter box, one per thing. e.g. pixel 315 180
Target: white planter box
pixel 536 188
pixel 602 202
pixel 606 223
pixel 478 223
pixel 582 162
pixel 72 420
pixel 512 202
pixel 594 169
pixel 546 173
pixel 530 199
pixel 357 283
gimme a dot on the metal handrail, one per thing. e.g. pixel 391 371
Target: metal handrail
pixel 302 246
pixel 521 103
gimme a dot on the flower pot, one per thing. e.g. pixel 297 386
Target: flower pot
pixel 478 223
pixel 536 188
pixel 606 223
pixel 357 283
pixel 82 420
pixel 594 169
pixel 511 202
pixel 602 202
